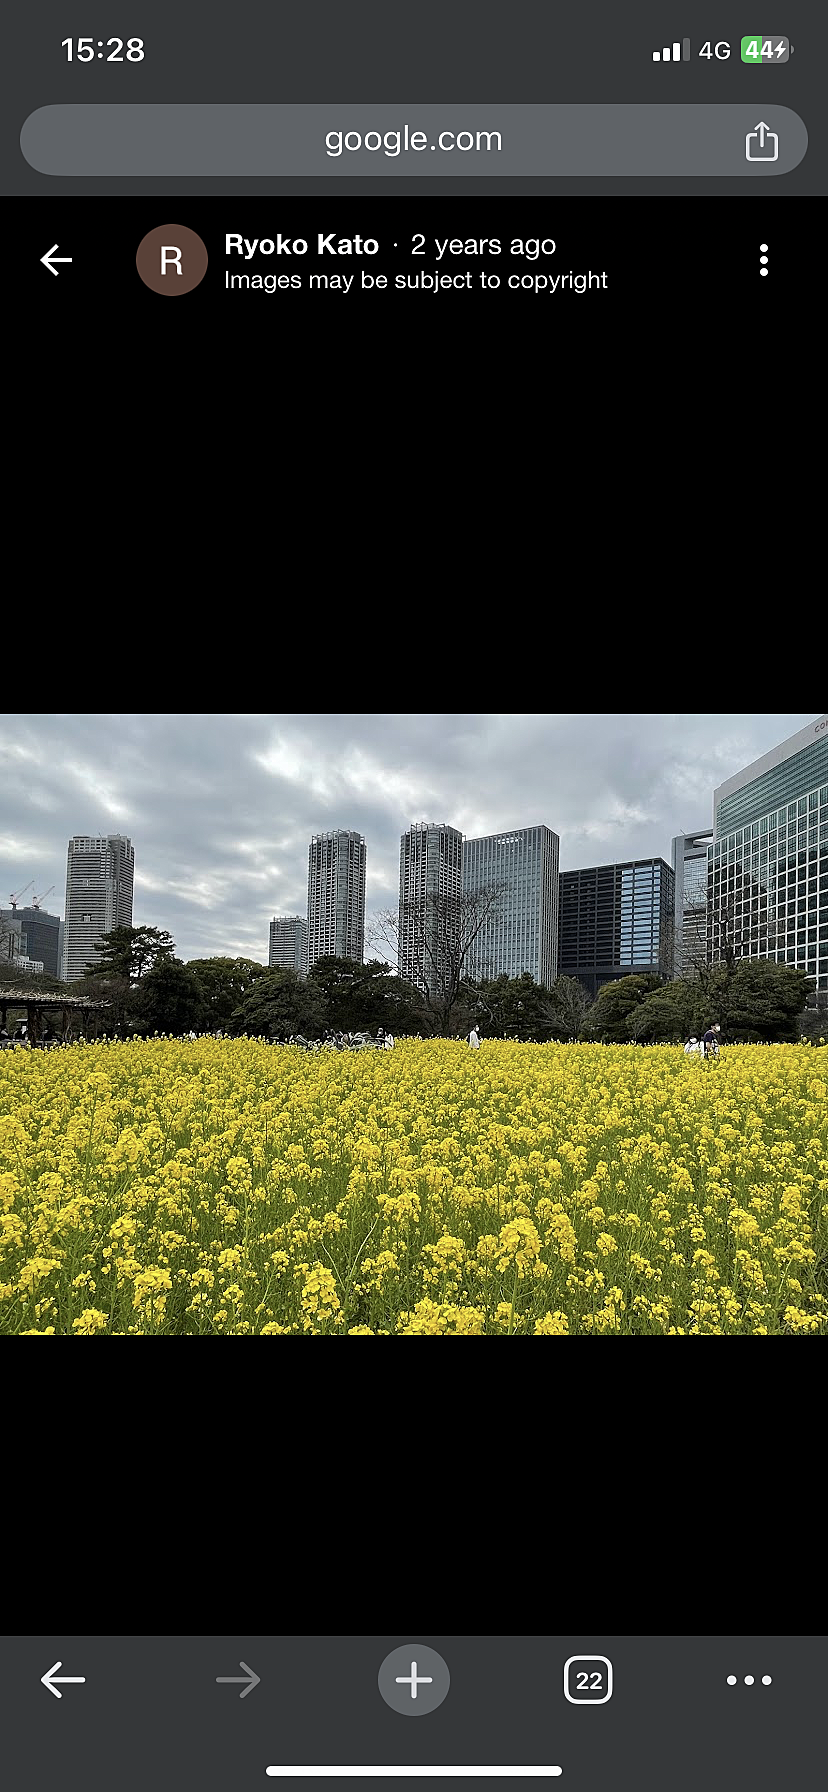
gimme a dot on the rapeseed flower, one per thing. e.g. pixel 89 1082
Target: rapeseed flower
pixel 92 1320
pixel 155 1186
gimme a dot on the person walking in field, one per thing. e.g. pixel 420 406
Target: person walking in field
pixel 389 1042
pixel 710 1041
pixel 694 1047
pixel 474 1039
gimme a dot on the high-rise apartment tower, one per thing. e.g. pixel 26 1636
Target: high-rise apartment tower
pixel 336 896
pixel 99 876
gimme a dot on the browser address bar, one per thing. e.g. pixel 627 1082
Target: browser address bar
pixel 413 1773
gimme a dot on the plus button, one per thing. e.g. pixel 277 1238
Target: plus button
pixel 412 1680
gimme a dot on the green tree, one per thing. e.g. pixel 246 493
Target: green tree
pixel 118 997
pixel 752 999
pixel 670 1013
pixel 483 1001
pixel 131 952
pixel 279 1004
pixel 514 1007
pixel 614 1005
pixel 723 933
pixel 361 996
pixel 813 1022
pixel 766 1000
pixel 401 1008
pixel 169 999
pixel 351 990
pixel 224 983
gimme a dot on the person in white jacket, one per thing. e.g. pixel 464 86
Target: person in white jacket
pixel 474 1039
pixel 694 1047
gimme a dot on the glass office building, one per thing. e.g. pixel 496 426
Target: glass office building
pixel 768 888
pixel 780 777
pixel 690 922
pixel 42 932
pixel 616 919
pixel 521 931
pixel 14 944
pixel 767 869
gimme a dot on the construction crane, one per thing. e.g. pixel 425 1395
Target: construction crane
pixel 36 900
pixel 15 899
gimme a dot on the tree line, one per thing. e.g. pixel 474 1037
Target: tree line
pixel 147 989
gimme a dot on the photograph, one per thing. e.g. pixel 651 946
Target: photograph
pixel 414 1025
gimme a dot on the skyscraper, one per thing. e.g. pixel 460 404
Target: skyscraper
pixel 616 919
pixel 780 777
pixel 431 886
pixel 767 869
pixel 99 874
pixel 690 872
pixel 336 896
pixel 289 943
pixel 520 933
pixel 42 931
pixel 14 944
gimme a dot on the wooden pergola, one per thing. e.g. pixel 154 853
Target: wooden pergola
pixel 36 1003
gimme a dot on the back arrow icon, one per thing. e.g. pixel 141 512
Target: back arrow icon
pixel 47 260
pixel 236 1680
pixel 64 1679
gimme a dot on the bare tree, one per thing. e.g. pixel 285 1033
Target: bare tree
pixel 561 1010
pixel 736 932
pixel 690 943
pixel 569 1006
pixel 430 939
pixel 737 923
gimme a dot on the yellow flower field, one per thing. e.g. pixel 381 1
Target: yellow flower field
pixel 226 1186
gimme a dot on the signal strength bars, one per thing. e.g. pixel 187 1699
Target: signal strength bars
pixel 680 52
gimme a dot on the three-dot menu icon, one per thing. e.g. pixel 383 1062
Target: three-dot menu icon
pixel 763 260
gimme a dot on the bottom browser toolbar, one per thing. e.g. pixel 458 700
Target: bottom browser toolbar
pixel 220 1712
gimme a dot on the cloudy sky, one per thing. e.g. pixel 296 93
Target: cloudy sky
pixel 220 809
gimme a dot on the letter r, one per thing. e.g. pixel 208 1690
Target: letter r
pixel 172 255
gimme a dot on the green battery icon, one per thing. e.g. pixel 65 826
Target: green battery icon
pixel 764 48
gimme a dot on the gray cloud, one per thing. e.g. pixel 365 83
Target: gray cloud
pixel 220 809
